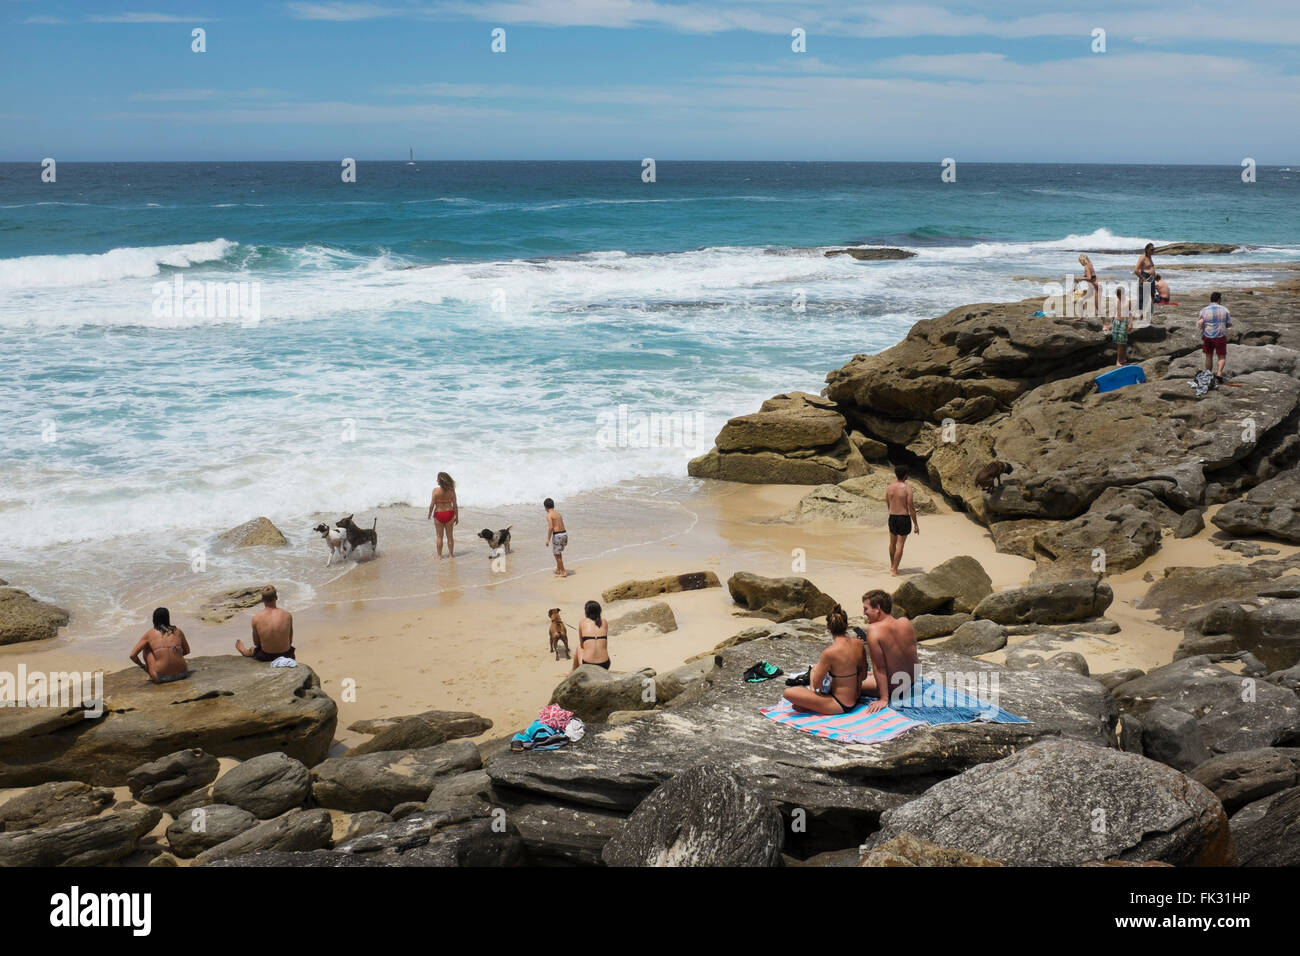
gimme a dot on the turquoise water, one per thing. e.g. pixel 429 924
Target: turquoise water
pixel 493 320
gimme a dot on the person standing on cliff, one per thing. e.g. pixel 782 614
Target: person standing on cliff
pixel 1145 270
pixel 902 516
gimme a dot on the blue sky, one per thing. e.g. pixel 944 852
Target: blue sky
pixel 585 79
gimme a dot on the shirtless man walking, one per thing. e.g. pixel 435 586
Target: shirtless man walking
pixel 272 631
pixel 556 537
pixel 902 517
pixel 891 645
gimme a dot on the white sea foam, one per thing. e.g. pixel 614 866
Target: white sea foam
pixel 131 262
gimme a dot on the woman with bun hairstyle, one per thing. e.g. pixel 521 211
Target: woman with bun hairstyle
pixel 836 679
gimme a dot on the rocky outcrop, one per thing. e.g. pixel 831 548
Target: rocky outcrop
pixel 205 827
pixel 593 693
pixel 657 617
pixel 1268 629
pixel 24 618
pixel 778 599
pixel 974 638
pixel 928 626
pixel 1050 798
pixel 429 729
pixel 259 532
pixel 172 776
pixel 297 830
pixel 796 439
pixel 266 786
pixel 1119 531
pixel 631 590
pixel 1249 775
pixel 1271 508
pixel 228 707
pixel 1233 712
pixel 91 842
pixel 52 804
pixel 1055 602
pixel 957 585
pixel 870 253
pixel 704 816
pixel 381 781
pixel 222 607
pixel 1184 593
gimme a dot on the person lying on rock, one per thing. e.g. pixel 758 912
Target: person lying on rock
pixel 833 686
pixel 164 648
pixel 272 631
pixel 891 645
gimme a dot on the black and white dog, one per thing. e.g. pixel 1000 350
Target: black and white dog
pixel 497 539
pixel 336 539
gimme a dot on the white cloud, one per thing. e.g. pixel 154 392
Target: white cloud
pixel 147 18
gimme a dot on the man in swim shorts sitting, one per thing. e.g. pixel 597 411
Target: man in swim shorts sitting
pixel 902 517
pixel 556 536
pixel 272 631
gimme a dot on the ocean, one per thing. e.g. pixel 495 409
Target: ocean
pixel 190 345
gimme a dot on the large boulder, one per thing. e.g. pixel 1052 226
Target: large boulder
pixel 229 707
pixel 380 781
pixel 1173 737
pixel 593 693
pixel 296 830
pixel 1055 602
pixel 691 581
pixel 424 730
pixel 658 616
pixel 24 618
pixel 1268 630
pixel 202 828
pixel 443 839
pixel 259 532
pixel 172 776
pixel 795 439
pixel 1122 527
pixel 266 786
pixel 1049 799
pixel 1265 830
pixel 52 804
pixel 841 788
pixel 955 586
pixel 1183 592
pixel 1233 712
pixel 89 842
pixel 778 599
pixel 976 637
pixel 1271 508
pixel 704 816
pixel 450 723
pixel 570 836
pixel 1248 775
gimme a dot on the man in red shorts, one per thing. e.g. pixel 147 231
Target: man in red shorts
pixel 1214 323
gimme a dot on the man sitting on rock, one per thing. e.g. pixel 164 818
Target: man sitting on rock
pixel 891 646
pixel 272 631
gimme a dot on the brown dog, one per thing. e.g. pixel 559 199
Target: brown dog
pixel 558 635
pixel 991 474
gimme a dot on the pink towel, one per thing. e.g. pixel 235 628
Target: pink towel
pixel 553 715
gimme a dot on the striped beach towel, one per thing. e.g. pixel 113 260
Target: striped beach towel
pixel 930 703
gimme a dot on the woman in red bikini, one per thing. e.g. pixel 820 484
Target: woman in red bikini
pixel 445 512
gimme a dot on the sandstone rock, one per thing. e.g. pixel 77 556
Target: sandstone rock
pixel 692 581
pixel 296 830
pixel 1112 679
pixel 442 840
pixel 872 486
pixel 24 618
pixel 204 827
pixel 1268 631
pixel 52 804
pixel 1213 696
pixel 976 637
pixel 229 707
pixel 424 730
pixel 787 430
pixel 1047 796
pixel 937 625
pixel 834 503
pixel 658 616
pixel 1051 603
pixel 680 679
pixel 365 821
pixel 1117 522
pixel 593 693
pixel 565 835
pixel 1184 591
pixel 908 850
pixel 778 599
pixel 1191 523
pixel 172 776
pixel 1264 831
pixel 266 786
pixel 454 723
pixel 463 791
pixel 1174 738
pixel 197 798
pixel 956 585
pixel 89 842
pixel 817 466
pixel 380 781
pixel 222 607
pixel 1248 775
pixel 259 532
pixel 704 816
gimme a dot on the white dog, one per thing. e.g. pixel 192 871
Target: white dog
pixel 336 539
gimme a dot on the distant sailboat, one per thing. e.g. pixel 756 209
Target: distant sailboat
pixel 412 162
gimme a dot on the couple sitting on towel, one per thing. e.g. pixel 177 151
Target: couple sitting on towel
pixel 843 675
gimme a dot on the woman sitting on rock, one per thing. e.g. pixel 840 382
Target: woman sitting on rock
pixel 836 680
pixel 164 648
pixel 593 638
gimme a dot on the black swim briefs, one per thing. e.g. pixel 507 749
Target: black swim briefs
pixel 900 524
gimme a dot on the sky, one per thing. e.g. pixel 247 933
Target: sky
pixel 619 79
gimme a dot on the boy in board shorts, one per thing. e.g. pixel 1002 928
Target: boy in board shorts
pixel 556 536
pixel 1214 322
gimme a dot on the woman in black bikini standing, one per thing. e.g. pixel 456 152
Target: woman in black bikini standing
pixel 836 680
pixel 164 648
pixel 593 631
